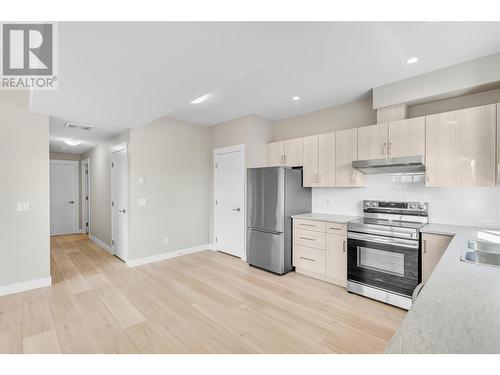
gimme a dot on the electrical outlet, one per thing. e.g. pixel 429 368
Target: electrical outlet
pixel 165 240
pixel 141 201
pixel 23 206
pixel 140 181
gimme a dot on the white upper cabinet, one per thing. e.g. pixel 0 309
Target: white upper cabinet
pixel 406 137
pixel 275 154
pixel 311 159
pixel 498 144
pixel 346 150
pixel 373 142
pixel 326 160
pixel 293 152
pixel 461 147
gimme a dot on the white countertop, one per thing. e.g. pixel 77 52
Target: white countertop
pixel 458 309
pixel 341 219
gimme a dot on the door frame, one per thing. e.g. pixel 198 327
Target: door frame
pixel 227 150
pixel 82 163
pixel 76 190
pixel 115 149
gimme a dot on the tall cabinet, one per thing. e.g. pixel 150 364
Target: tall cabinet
pixel 460 147
pixel 346 151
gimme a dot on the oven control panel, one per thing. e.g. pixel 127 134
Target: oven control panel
pixel 395 206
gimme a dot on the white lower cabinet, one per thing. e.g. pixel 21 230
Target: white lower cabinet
pixel 336 258
pixel 320 250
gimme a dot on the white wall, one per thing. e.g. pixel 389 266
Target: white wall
pixel 100 188
pixel 174 159
pixel 24 176
pixel 460 206
pixel 440 83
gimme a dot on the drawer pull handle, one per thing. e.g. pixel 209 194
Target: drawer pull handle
pixel 309 259
pixel 308 238
pixel 308 225
pixel 335 228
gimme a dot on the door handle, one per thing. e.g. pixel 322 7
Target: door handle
pixel 122 211
pixel 71 202
pixel 236 209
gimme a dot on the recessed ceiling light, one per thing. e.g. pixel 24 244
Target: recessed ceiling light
pixel 201 99
pixel 412 60
pixel 295 98
pixel 72 142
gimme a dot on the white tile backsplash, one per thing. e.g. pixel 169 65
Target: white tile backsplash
pixel 459 206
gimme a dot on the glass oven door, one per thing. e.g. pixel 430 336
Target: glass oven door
pixel 383 262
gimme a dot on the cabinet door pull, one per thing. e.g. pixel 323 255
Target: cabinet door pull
pixel 344 243
pixel 334 228
pixel 390 148
pixel 307 238
pixel 352 176
pixel 309 259
pixel 307 225
pixel 424 246
pixel 384 149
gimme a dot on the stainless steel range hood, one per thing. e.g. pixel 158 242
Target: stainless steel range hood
pixel 401 165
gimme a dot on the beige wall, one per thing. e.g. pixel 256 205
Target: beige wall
pixel 252 131
pixel 64 156
pixel 452 104
pixel 350 115
pixel 100 188
pixel 173 157
pixel 24 176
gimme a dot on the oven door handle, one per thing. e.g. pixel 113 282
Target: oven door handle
pixel 383 240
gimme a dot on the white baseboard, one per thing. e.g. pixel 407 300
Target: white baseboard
pixel 163 256
pixel 101 244
pixel 26 285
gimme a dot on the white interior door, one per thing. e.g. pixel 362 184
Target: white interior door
pixel 85 223
pixel 64 207
pixel 119 205
pixel 229 208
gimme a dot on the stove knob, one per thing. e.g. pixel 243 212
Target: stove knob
pixel 412 206
pixel 421 206
pixel 367 204
pixel 374 204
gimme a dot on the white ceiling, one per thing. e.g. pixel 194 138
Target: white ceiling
pixel 89 138
pixel 124 75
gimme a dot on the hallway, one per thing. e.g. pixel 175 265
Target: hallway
pixel 206 302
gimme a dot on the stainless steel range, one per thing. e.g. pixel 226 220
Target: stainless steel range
pixel 383 251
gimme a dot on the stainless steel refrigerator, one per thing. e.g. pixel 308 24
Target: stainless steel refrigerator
pixel 273 195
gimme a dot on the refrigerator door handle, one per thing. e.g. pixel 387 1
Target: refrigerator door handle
pixel 263 230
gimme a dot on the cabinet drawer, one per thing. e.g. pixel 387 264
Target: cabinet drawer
pixel 336 228
pixel 309 259
pixel 309 238
pixel 318 226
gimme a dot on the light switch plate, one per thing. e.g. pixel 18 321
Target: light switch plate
pixel 140 181
pixel 165 240
pixel 23 206
pixel 141 202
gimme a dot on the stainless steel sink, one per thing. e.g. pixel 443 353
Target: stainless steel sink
pixel 482 252
pixel 481 257
pixel 484 246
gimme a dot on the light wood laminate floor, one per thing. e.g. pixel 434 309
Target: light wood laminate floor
pixel 207 302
